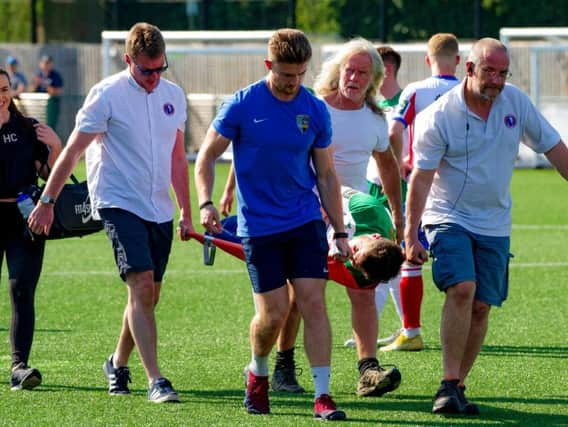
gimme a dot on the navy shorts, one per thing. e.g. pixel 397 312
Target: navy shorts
pixel 459 255
pixel 138 245
pixel 297 253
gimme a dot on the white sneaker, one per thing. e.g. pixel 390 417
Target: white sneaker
pixel 350 343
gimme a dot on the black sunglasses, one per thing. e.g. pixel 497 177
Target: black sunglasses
pixel 150 71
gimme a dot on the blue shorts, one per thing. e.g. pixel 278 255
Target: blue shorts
pixel 459 255
pixel 297 253
pixel 138 245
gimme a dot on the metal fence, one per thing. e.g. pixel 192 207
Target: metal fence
pixel 208 75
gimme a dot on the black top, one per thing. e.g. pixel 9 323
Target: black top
pixel 19 149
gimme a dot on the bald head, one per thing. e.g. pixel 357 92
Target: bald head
pixel 484 48
pixel 487 70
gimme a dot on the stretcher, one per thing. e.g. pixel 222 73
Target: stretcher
pixel 337 270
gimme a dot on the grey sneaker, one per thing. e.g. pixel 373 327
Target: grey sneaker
pixel 161 391
pixel 377 381
pixel 284 379
pixel 447 399
pixel 24 378
pixel 118 378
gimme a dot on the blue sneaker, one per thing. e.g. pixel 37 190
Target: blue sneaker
pixel 161 391
pixel 118 378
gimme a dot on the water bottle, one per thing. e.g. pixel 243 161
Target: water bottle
pixel 26 206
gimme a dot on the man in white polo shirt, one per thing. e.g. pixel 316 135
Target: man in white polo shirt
pixel 136 120
pixel 464 153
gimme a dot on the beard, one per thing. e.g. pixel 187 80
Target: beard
pixel 490 93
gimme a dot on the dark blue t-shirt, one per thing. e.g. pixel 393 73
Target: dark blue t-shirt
pixel 272 146
pixel 53 78
pixel 19 150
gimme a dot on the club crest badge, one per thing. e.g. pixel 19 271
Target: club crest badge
pixel 510 121
pixel 169 109
pixel 303 122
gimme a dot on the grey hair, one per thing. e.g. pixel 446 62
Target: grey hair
pixel 480 46
pixel 327 81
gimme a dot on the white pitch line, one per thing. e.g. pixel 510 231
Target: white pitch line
pixel 115 273
pixel 540 227
pixel 537 264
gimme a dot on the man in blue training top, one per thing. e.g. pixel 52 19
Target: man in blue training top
pixel 277 129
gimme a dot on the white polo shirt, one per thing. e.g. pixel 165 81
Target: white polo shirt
pixel 474 158
pixel 129 163
pixel 355 135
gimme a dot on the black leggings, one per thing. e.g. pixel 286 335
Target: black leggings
pixel 24 258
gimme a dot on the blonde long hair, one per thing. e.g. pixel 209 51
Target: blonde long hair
pixel 327 81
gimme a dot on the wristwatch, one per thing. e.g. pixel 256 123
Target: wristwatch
pixel 47 200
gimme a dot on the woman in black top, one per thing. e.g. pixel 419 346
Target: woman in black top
pixel 27 149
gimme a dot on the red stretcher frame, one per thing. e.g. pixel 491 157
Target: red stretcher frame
pixel 337 270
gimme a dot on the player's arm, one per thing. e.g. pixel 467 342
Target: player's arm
pixel 558 157
pixel 47 136
pixel 330 195
pixel 418 189
pixel 180 184
pixel 396 130
pixel 213 146
pixel 228 196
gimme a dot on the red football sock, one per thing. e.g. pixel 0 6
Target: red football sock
pixel 411 291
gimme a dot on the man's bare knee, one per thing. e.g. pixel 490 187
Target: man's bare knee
pixel 480 311
pixel 462 293
pixel 141 288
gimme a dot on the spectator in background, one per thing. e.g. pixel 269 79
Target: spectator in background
pixel 18 80
pixel 390 88
pixel 48 80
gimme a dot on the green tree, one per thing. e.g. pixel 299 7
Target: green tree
pixel 15 21
pixel 247 15
pixel 319 16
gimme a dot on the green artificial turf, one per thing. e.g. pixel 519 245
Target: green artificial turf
pixel 519 378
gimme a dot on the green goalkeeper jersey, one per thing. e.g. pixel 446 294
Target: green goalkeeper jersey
pixel 365 214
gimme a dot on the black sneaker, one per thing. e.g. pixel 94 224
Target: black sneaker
pixel 447 399
pixel 377 381
pixel 118 378
pixel 161 391
pixel 284 379
pixel 468 407
pixel 24 378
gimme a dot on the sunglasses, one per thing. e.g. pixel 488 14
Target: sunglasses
pixel 150 71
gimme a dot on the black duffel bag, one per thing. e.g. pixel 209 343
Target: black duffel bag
pixel 73 216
